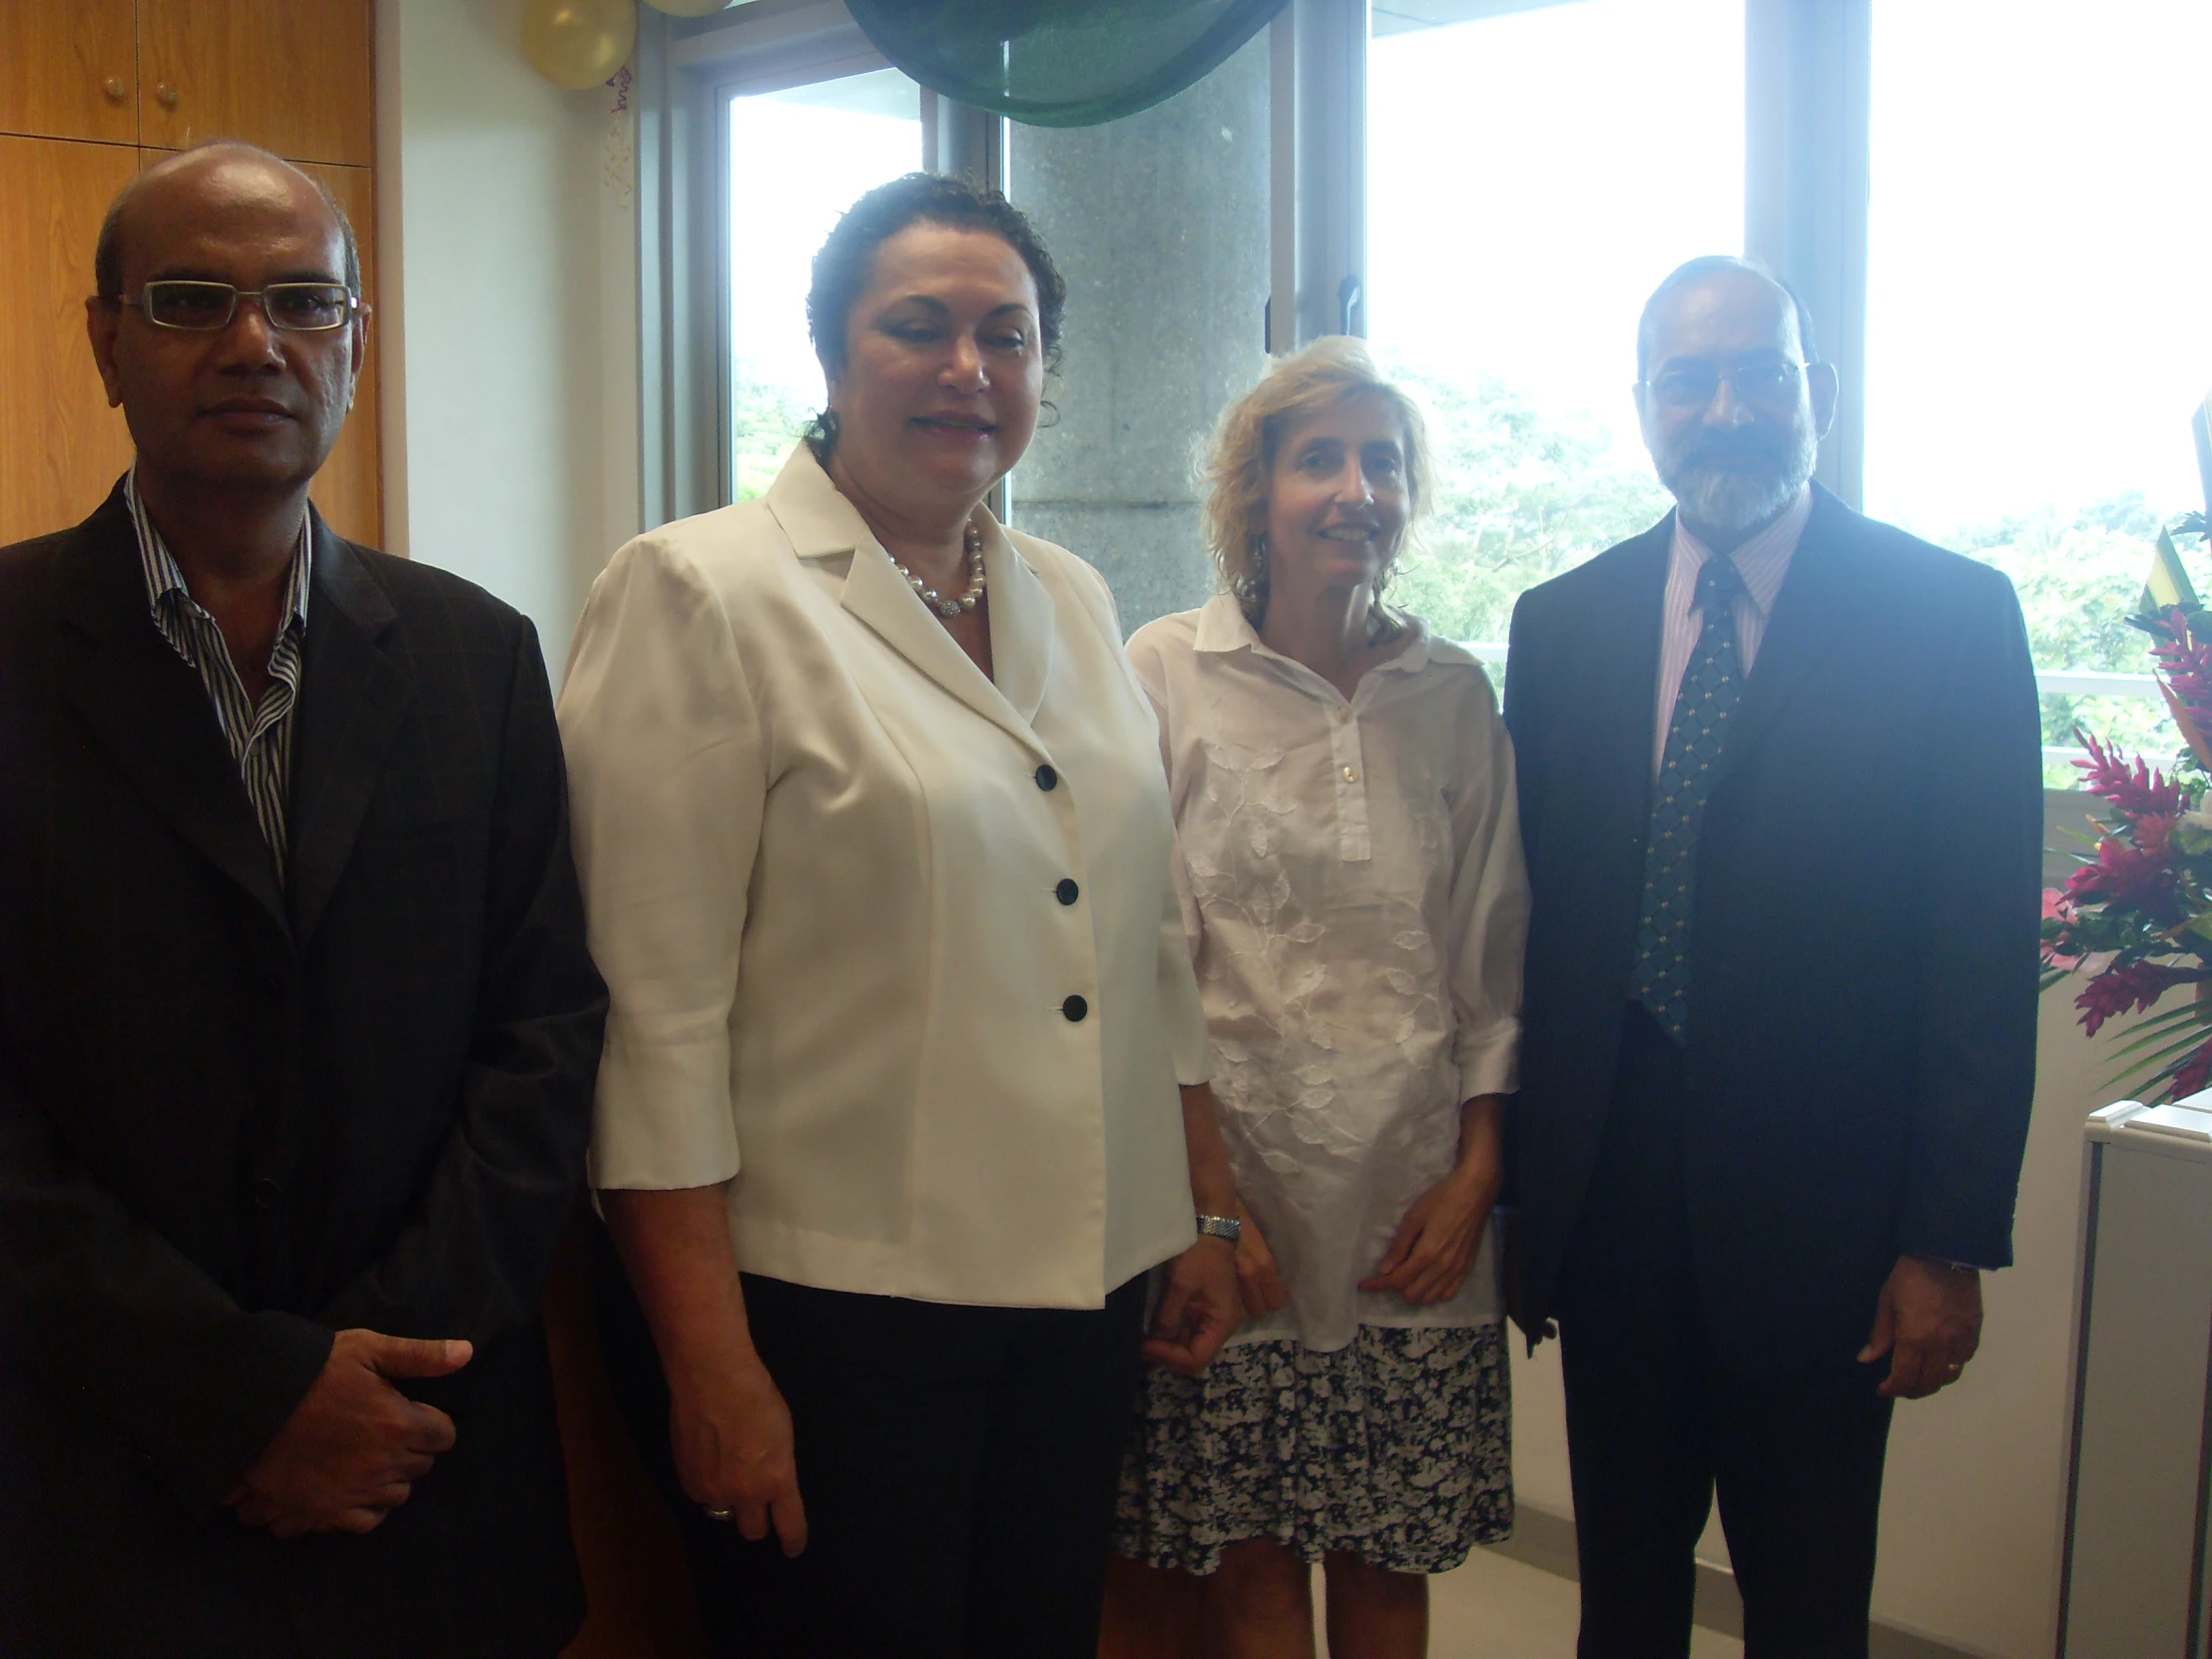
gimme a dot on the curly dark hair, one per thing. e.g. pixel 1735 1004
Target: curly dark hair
pixel 846 262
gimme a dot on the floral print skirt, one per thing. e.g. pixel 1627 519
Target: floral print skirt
pixel 1396 1449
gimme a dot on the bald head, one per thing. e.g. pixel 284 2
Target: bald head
pixel 1729 271
pixel 244 410
pixel 221 171
pixel 1732 399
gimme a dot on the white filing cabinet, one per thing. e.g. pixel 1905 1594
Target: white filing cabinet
pixel 2141 1469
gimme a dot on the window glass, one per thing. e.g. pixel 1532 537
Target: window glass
pixel 1530 178
pixel 797 158
pixel 2037 332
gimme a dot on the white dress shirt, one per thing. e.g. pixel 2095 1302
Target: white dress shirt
pixel 844 888
pixel 1356 905
pixel 1762 561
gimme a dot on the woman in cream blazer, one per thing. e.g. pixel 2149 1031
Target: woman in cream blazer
pixel 904 1089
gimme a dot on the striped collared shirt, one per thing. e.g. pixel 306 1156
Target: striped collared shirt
pixel 259 736
pixel 1763 560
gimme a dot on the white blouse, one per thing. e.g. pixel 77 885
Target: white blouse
pixel 1356 905
pixel 893 945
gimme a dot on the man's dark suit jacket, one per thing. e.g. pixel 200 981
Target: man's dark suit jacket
pixel 1862 962
pixel 237 1115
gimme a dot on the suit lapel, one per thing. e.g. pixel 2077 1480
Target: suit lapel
pixel 351 700
pixel 877 595
pixel 1616 682
pixel 1808 635
pixel 1024 623
pixel 149 710
pixel 822 524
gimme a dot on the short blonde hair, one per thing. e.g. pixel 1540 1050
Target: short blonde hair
pixel 1240 461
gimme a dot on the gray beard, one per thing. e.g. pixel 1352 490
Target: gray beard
pixel 1725 499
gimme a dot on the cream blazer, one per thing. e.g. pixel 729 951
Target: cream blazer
pixel 892 950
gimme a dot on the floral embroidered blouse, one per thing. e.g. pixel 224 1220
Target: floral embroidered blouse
pixel 1354 891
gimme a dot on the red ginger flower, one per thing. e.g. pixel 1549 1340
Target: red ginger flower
pixel 2187 665
pixel 2126 874
pixel 2193 1073
pixel 2126 990
pixel 2136 790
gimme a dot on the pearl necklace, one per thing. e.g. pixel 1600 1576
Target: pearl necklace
pixel 973 545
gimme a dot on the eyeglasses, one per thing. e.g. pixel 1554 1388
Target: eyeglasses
pixel 205 307
pixel 1692 384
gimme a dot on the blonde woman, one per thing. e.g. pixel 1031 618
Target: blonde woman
pixel 1355 901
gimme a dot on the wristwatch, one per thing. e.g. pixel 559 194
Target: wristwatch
pixel 1220 1227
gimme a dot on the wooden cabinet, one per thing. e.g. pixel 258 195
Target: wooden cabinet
pixel 346 490
pixel 292 76
pixel 90 90
pixel 61 447
pixel 69 70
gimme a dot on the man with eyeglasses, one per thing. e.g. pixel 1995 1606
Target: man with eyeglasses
pixel 297 1027
pixel 1781 794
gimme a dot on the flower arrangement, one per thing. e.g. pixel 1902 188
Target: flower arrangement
pixel 2135 918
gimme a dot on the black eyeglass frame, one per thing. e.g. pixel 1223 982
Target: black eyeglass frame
pixel 142 302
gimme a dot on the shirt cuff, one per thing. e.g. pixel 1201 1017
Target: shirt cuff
pixel 663 1120
pixel 1489 1060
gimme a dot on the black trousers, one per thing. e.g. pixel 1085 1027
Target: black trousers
pixel 1655 1425
pixel 958 1466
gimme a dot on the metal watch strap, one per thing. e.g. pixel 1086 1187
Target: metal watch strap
pixel 1220 1227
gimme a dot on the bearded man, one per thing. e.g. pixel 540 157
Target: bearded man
pixel 1781 794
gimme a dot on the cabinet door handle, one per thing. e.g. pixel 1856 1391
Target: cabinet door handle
pixel 115 88
pixel 166 94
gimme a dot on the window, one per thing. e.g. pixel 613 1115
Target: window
pixel 1530 178
pixel 1497 185
pixel 797 158
pixel 2036 331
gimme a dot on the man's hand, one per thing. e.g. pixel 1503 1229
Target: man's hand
pixel 1258 1285
pixel 732 1435
pixel 1929 1321
pixel 1198 1309
pixel 353 1448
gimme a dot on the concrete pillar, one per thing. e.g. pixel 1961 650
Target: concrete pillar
pixel 1160 224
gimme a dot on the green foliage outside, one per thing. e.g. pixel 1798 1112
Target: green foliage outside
pixel 2079 576
pixel 764 421
pixel 1521 495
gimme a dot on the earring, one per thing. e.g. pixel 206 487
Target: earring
pixel 1252 587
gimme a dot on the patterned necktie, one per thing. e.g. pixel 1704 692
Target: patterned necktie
pixel 1712 683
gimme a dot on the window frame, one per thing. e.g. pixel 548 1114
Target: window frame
pixel 1808 99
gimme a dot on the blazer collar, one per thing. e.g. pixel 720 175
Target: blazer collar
pixel 147 708
pixel 354 697
pixel 1640 562
pixel 822 524
pixel 1619 677
pixel 1812 627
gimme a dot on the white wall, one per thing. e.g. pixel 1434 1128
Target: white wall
pixel 1973 1502
pixel 507 244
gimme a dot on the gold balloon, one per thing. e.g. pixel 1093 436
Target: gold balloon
pixel 690 8
pixel 579 43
